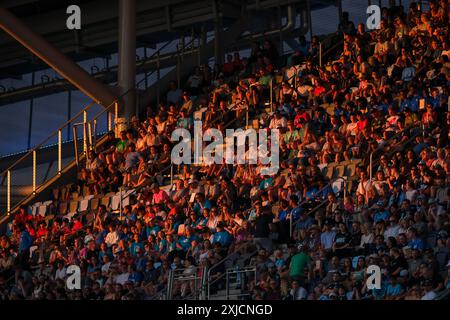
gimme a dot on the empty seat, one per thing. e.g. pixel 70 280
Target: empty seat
pixel 34 208
pixel 350 170
pixel 42 210
pixel 115 202
pixel 105 201
pixel 73 206
pixel 94 202
pixel 62 208
pixel 83 205
pixel 330 171
pixel 339 171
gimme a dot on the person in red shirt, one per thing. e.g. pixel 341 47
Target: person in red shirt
pixel 30 229
pixel 42 231
pixel 228 67
pixel 302 115
pixel 362 122
pixel 77 225
pixel 22 216
pixel 237 62
pixel 318 88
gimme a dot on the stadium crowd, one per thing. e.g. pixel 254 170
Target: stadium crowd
pixel 385 91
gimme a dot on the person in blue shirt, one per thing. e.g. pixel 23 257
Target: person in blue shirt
pixel 327 237
pixel 152 228
pixel 129 215
pixel 413 100
pixel 200 203
pixel 285 210
pixel 382 214
pixel 185 241
pixel 222 236
pixel 135 245
pixel 435 98
pixel 135 276
pixel 414 241
pixel 141 260
pixel 25 241
pixel 124 234
pixel 393 289
pixel 101 235
pixel 266 183
pixel 296 211
pixel 171 244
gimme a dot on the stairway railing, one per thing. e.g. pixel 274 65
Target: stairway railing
pixel 88 118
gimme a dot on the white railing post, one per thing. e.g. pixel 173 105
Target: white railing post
pixel 75 144
pixel 59 151
pixel 116 112
pixel 320 54
pixel 8 191
pixel 34 171
pixel 95 135
pixel 120 203
pixel 246 117
pixel 271 94
pixel 370 165
pixel 109 121
pixel 84 132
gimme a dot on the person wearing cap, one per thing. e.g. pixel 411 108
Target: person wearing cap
pixel 381 214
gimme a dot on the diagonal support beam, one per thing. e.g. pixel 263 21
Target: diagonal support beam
pixel 35 43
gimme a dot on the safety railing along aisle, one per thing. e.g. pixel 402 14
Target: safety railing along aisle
pixel 88 119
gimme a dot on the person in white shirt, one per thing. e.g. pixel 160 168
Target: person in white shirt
pixel 297 292
pixel 112 237
pixel 393 229
pixel 60 272
pixel 122 278
pixel 367 235
pixel 429 292
pixel 106 264
pixel 278 121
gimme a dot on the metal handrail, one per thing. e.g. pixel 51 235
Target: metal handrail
pixel 7 172
pixel 227 258
pixel 48 138
pixel 226 275
pixel 88 106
